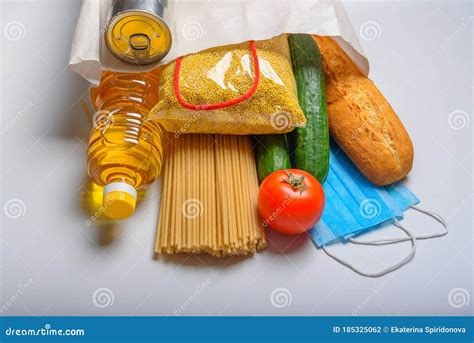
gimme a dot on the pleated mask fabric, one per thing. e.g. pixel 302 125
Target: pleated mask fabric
pixel 354 205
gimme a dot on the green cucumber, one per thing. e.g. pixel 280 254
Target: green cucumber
pixel 311 142
pixel 272 155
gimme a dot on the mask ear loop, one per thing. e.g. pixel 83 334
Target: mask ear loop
pixel 396 266
pixel 433 215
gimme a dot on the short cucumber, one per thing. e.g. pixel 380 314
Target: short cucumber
pixel 272 155
pixel 311 142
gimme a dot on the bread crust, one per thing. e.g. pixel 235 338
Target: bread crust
pixel 362 121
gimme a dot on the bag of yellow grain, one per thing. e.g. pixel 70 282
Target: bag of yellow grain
pixel 240 89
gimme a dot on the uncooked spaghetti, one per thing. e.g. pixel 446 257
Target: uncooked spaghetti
pixel 209 197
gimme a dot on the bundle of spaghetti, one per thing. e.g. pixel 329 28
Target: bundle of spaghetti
pixel 209 197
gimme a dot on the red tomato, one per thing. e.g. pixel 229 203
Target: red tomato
pixel 290 201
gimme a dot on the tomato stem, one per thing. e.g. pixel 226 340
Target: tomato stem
pixel 297 183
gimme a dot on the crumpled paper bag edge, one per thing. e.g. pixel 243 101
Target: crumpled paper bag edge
pixel 91 67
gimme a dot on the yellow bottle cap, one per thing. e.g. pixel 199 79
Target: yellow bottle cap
pixel 119 200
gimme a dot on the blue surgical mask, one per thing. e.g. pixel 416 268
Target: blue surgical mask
pixel 355 206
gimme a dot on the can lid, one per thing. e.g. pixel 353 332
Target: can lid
pixel 138 37
pixel 119 200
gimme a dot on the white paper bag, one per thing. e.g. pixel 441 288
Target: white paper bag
pixel 201 24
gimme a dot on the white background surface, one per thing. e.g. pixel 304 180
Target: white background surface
pixel 421 59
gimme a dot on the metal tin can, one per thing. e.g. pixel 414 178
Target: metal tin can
pixel 137 32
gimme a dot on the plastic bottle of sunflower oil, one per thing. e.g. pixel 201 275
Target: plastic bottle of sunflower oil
pixel 125 149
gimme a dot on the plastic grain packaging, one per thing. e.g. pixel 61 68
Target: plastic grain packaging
pixel 237 89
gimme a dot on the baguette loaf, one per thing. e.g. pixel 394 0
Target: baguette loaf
pixel 361 120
